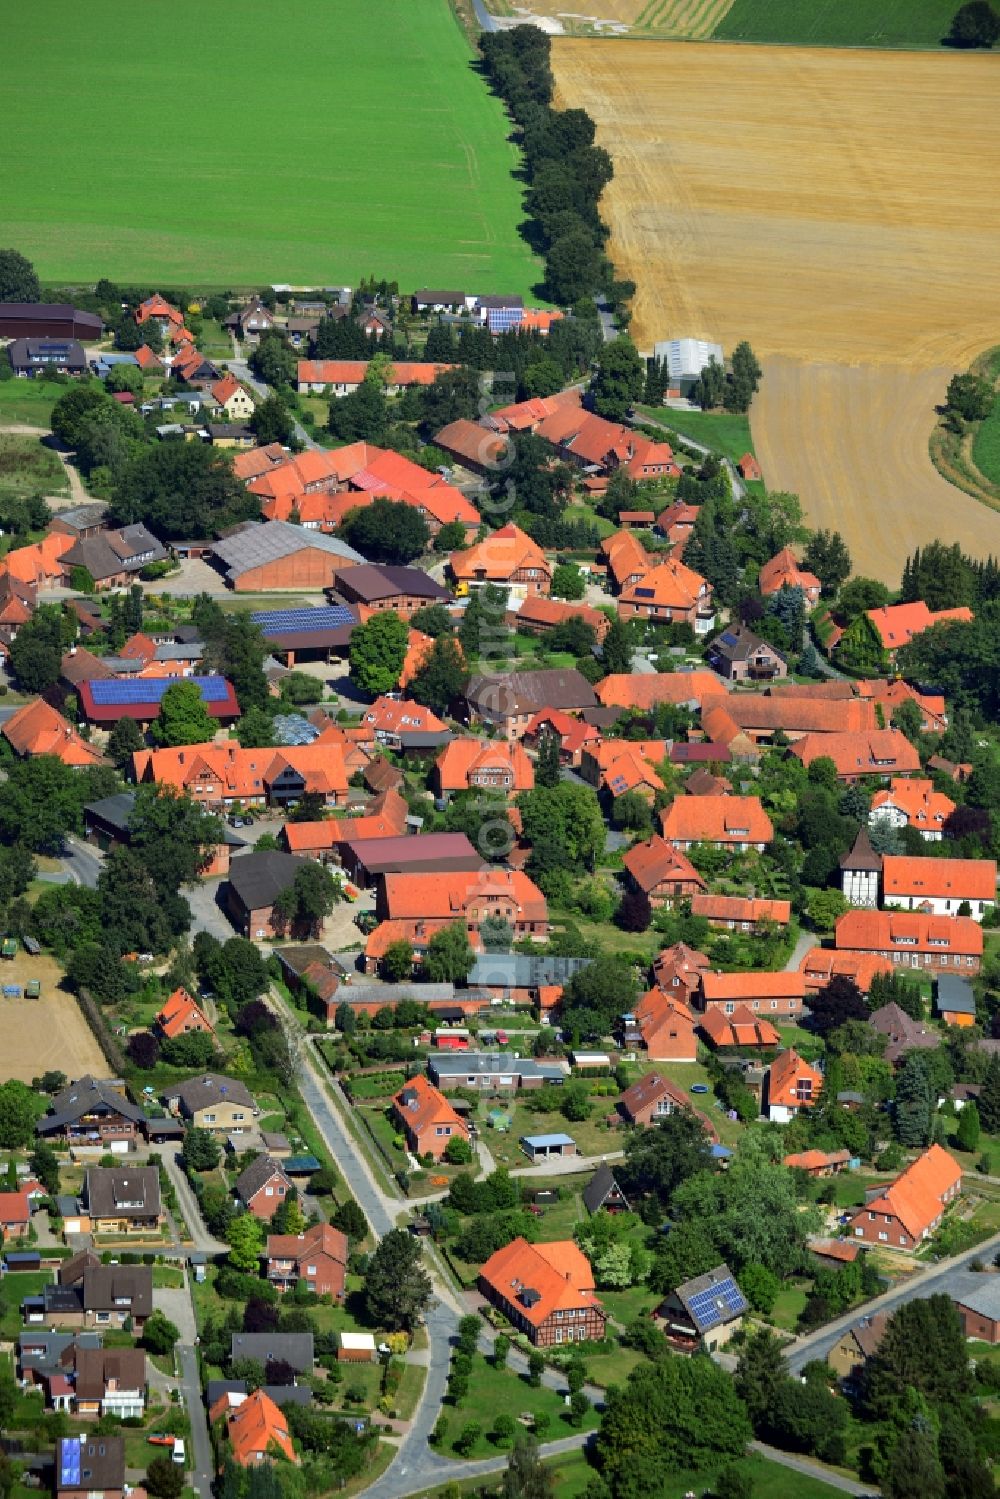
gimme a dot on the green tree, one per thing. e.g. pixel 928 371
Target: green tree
pixel 526 1476
pixel 567 581
pixel 974 25
pixel 362 415
pixel 201 1150
pixel 674 1414
pixel 967 1136
pixel 484 630
pixel 245 1238
pixel 827 556
pixel 125 740
pixel 397 1288
pixel 923 1349
pixel 351 1221
pixel 274 361
pixel 159 1335
pixel 182 489
pixel 442 676
pixel 386 531
pixel 164 1478
pixel 397 962
pixel 20 1108
pixel 172 833
pixel 18 281
pixel 309 899
pixel 760 1372
pixel 44 1165
pixel 449 955
pixel 40 801
pixel 914 1470
pixel 183 717
pixel 255 730
pixel 989 1098
pixel 619 381
pixel 458 1151
pixel 272 422
pixel 548 766
pixel 914 1103
pixel 616 652
pixel 377 652
pixel 658 1160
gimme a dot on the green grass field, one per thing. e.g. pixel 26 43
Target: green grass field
pixel 28 468
pixel 986 447
pixel 725 432
pixel 310 143
pixel 838 23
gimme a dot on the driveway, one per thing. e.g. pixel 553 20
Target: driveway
pixel 176 1305
pixel 201 1239
pixel 206 914
pixel 201 1446
pixel 82 863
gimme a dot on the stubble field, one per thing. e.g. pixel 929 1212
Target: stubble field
pixel 835 208
pixel 46 1034
pixel 312 142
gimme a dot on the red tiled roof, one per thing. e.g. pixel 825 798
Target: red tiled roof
pixel 418 1104
pixel 785 571
pixel 37 729
pixel 558 1272
pixel 741 908
pixel 909 931
pixel 178 1013
pixel 463 758
pixel 448 896
pixel 655 861
pixel 741 1028
pixel 623 690
pixel 497 558
pixel 670 585
pixel 716 819
pixel 924 808
pixel 954 879
pixel 876 752
pixel 783 1075
pixel 649 1090
pixel 918 1194
pixel 717 986
pixel 353 371
pixel 897 624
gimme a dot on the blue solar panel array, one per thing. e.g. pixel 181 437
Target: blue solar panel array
pixel 69 1463
pixel 717 1304
pixel 113 693
pixel 285 621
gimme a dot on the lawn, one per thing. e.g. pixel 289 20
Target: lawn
pixel 788 1306
pixel 26 467
pixel 572 1474
pixel 838 23
pixel 13 1289
pixel 493 1392
pixel 28 401
pixel 724 431
pixel 986 446
pixel 369 146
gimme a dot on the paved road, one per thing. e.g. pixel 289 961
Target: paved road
pixel 942 1277
pixel 608 328
pixel 201 1446
pixel 201 1239
pixel 486 21
pixel 206 914
pixel 81 862
pixel 242 371
pixel 804 942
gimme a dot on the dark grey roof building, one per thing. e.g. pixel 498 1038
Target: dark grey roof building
pixel 497 697
pixel 295 1348
pixel 41 356
pixel 123 1192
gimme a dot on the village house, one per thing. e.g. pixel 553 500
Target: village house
pixel 88 1465
pixel 507 557
pixel 785 571
pixel 704 1312
pixel 977 1301
pixel 895 625
pixel 626 559
pixel 663 1025
pixel 670 593
pixel 819 1164
pixel 573 734
pixel 248 323
pixel 906 1213
pixel 912 802
pixel 92 1112
pixel 492 1071
pixel 255 1427
pixel 602 1194
pixel 402 590
pixel 179 1016
pixel 317 1256
pixel 676 524
pixel 913 939
pixel 157 309
pixel 678 970
pixel 106 701
pixel 537 615
pixel 470 898
pixel 15 1212
pixel 735 822
pixel 820 964
pixel 262 1187
pixel 116 1295
pixel 795 716
pixel 743 1029
pixel 888 696
pixel 221 775
pixel 482 765
pixel 527 416
pixel 295 1348
pixel 652 1098
pixel 778 995
pixel 110 1382
pixel 234 399
pixel 472 446
pixel 545 1290
pixel 42 357
pixel 508 702
pixel 427 1119
pixel 37 729
pixel 857 1345
pixel 741 913
pixel 114 559
pixel 903 1034
pixel 221 1105
pixel 790 1086
pixel 123 1200
pixel 366 860
pixel 879 752
pixel 398 724
pixel 342 377
pixel 255 884
pixel 942 887
pixel 661 872
pixel 274 556
pixel 682 689
pixel 739 655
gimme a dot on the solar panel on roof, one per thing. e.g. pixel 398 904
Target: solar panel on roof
pixel 284 621
pixel 111 692
pixel 729 638
pixel 718 1302
pixel 69 1463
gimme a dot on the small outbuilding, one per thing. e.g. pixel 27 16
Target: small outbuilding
pixel 356 1348
pixel 541 1147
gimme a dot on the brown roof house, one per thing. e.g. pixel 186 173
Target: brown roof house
pixel 661 872
pixel 124 1200
pixel 221 1105
pixel 90 1465
pixel 262 1187
pixel 653 1097
pixel 741 656
pixel 110 1382
pixel 510 700
pixel 545 1290
pixel 317 1256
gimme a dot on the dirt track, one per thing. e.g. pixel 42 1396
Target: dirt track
pixel 834 207
pixel 46 1034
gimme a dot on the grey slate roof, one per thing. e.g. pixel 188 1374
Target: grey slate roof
pixel 258 879
pixel 257 1175
pixel 130 1190
pixel 86 1096
pixel 527 691
pixel 485 1063
pixel 295 1348
pixel 114 810
pixel 211 1088
pixel 523 970
pixel 104 1285
pixel 595 1193
pixel 281 1394
pixel 954 993
pixel 255 545
pixel 979 1292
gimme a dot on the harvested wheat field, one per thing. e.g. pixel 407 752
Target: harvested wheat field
pixel 837 208
pixel 46 1034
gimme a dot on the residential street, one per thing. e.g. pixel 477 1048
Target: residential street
pixel 201 1446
